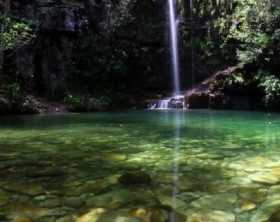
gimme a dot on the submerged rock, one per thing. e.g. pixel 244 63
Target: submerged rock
pixel 96 187
pixel 275 217
pixel 134 178
pixel 264 178
pixel 247 205
pixel 74 202
pixel 101 214
pixel 47 172
pixel 271 204
pixel 222 202
pixel 171 201
pixel 211 215
pixel 161 213
pixel 92 216
pixel 111 200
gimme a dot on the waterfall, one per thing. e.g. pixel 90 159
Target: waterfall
pixel 192 46
pixel 174 46
pixel 177 101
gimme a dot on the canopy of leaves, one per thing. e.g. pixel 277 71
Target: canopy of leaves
pixel 14 32
pixel 249 34
pixel 254 29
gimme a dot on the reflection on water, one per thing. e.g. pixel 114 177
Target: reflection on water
pixel 164 165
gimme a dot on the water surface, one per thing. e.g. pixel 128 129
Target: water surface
pixel 202 164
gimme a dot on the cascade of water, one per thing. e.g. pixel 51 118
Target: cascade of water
pixel 163 104
pixel 174 46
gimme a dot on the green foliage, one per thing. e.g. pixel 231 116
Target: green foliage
pixel 182 7
pixel 101 66
pixel 14 32
pixel 77 103
pixel 113 62
pixel 245 32
pixel 270 85
pixel 12 90
pixel 13 100
pixel 206 47
pixel 238 78
pixel 252 29
pixel 4 104
pixel 120 15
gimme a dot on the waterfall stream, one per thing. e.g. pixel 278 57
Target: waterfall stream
pixel 173 24
pixel 177 100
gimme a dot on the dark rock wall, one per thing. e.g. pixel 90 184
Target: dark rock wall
pixel 42 65
pixel 142 38
pixel 58 24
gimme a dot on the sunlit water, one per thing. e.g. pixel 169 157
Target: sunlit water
pixel 202 164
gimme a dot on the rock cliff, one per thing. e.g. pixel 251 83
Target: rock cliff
pixel 41 65
pixel 45 65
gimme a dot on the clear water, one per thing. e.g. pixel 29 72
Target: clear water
pixel 189 152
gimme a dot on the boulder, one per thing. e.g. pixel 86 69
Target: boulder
pixel 134 178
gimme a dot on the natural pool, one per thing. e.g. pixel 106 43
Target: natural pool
pixel 160 165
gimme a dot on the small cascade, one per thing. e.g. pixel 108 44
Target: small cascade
pixel 177 102
pixel 163 104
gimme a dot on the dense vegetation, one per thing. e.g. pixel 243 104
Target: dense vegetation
pixel 112 61
pixel 15 33
pixel 248 35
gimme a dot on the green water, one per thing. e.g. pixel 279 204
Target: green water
pixel 185 152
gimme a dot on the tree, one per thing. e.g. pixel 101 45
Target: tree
pixel 15 32
pixel 253 31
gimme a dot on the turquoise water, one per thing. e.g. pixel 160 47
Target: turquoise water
pixel 201 164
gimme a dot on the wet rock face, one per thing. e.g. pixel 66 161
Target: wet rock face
pixel 198 100
pixel 53 56
pixel 61 16
pixel 45 63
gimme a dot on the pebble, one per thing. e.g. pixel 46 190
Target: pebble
pixel 275 171
pixel 115 157
pixel 247 205
pixel 264 178
pixel 101 214
pixel 92 216
pixel 74 202
pixel 211 215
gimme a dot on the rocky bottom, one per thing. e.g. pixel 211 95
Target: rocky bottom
pixel 112 187
pixel 99 175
